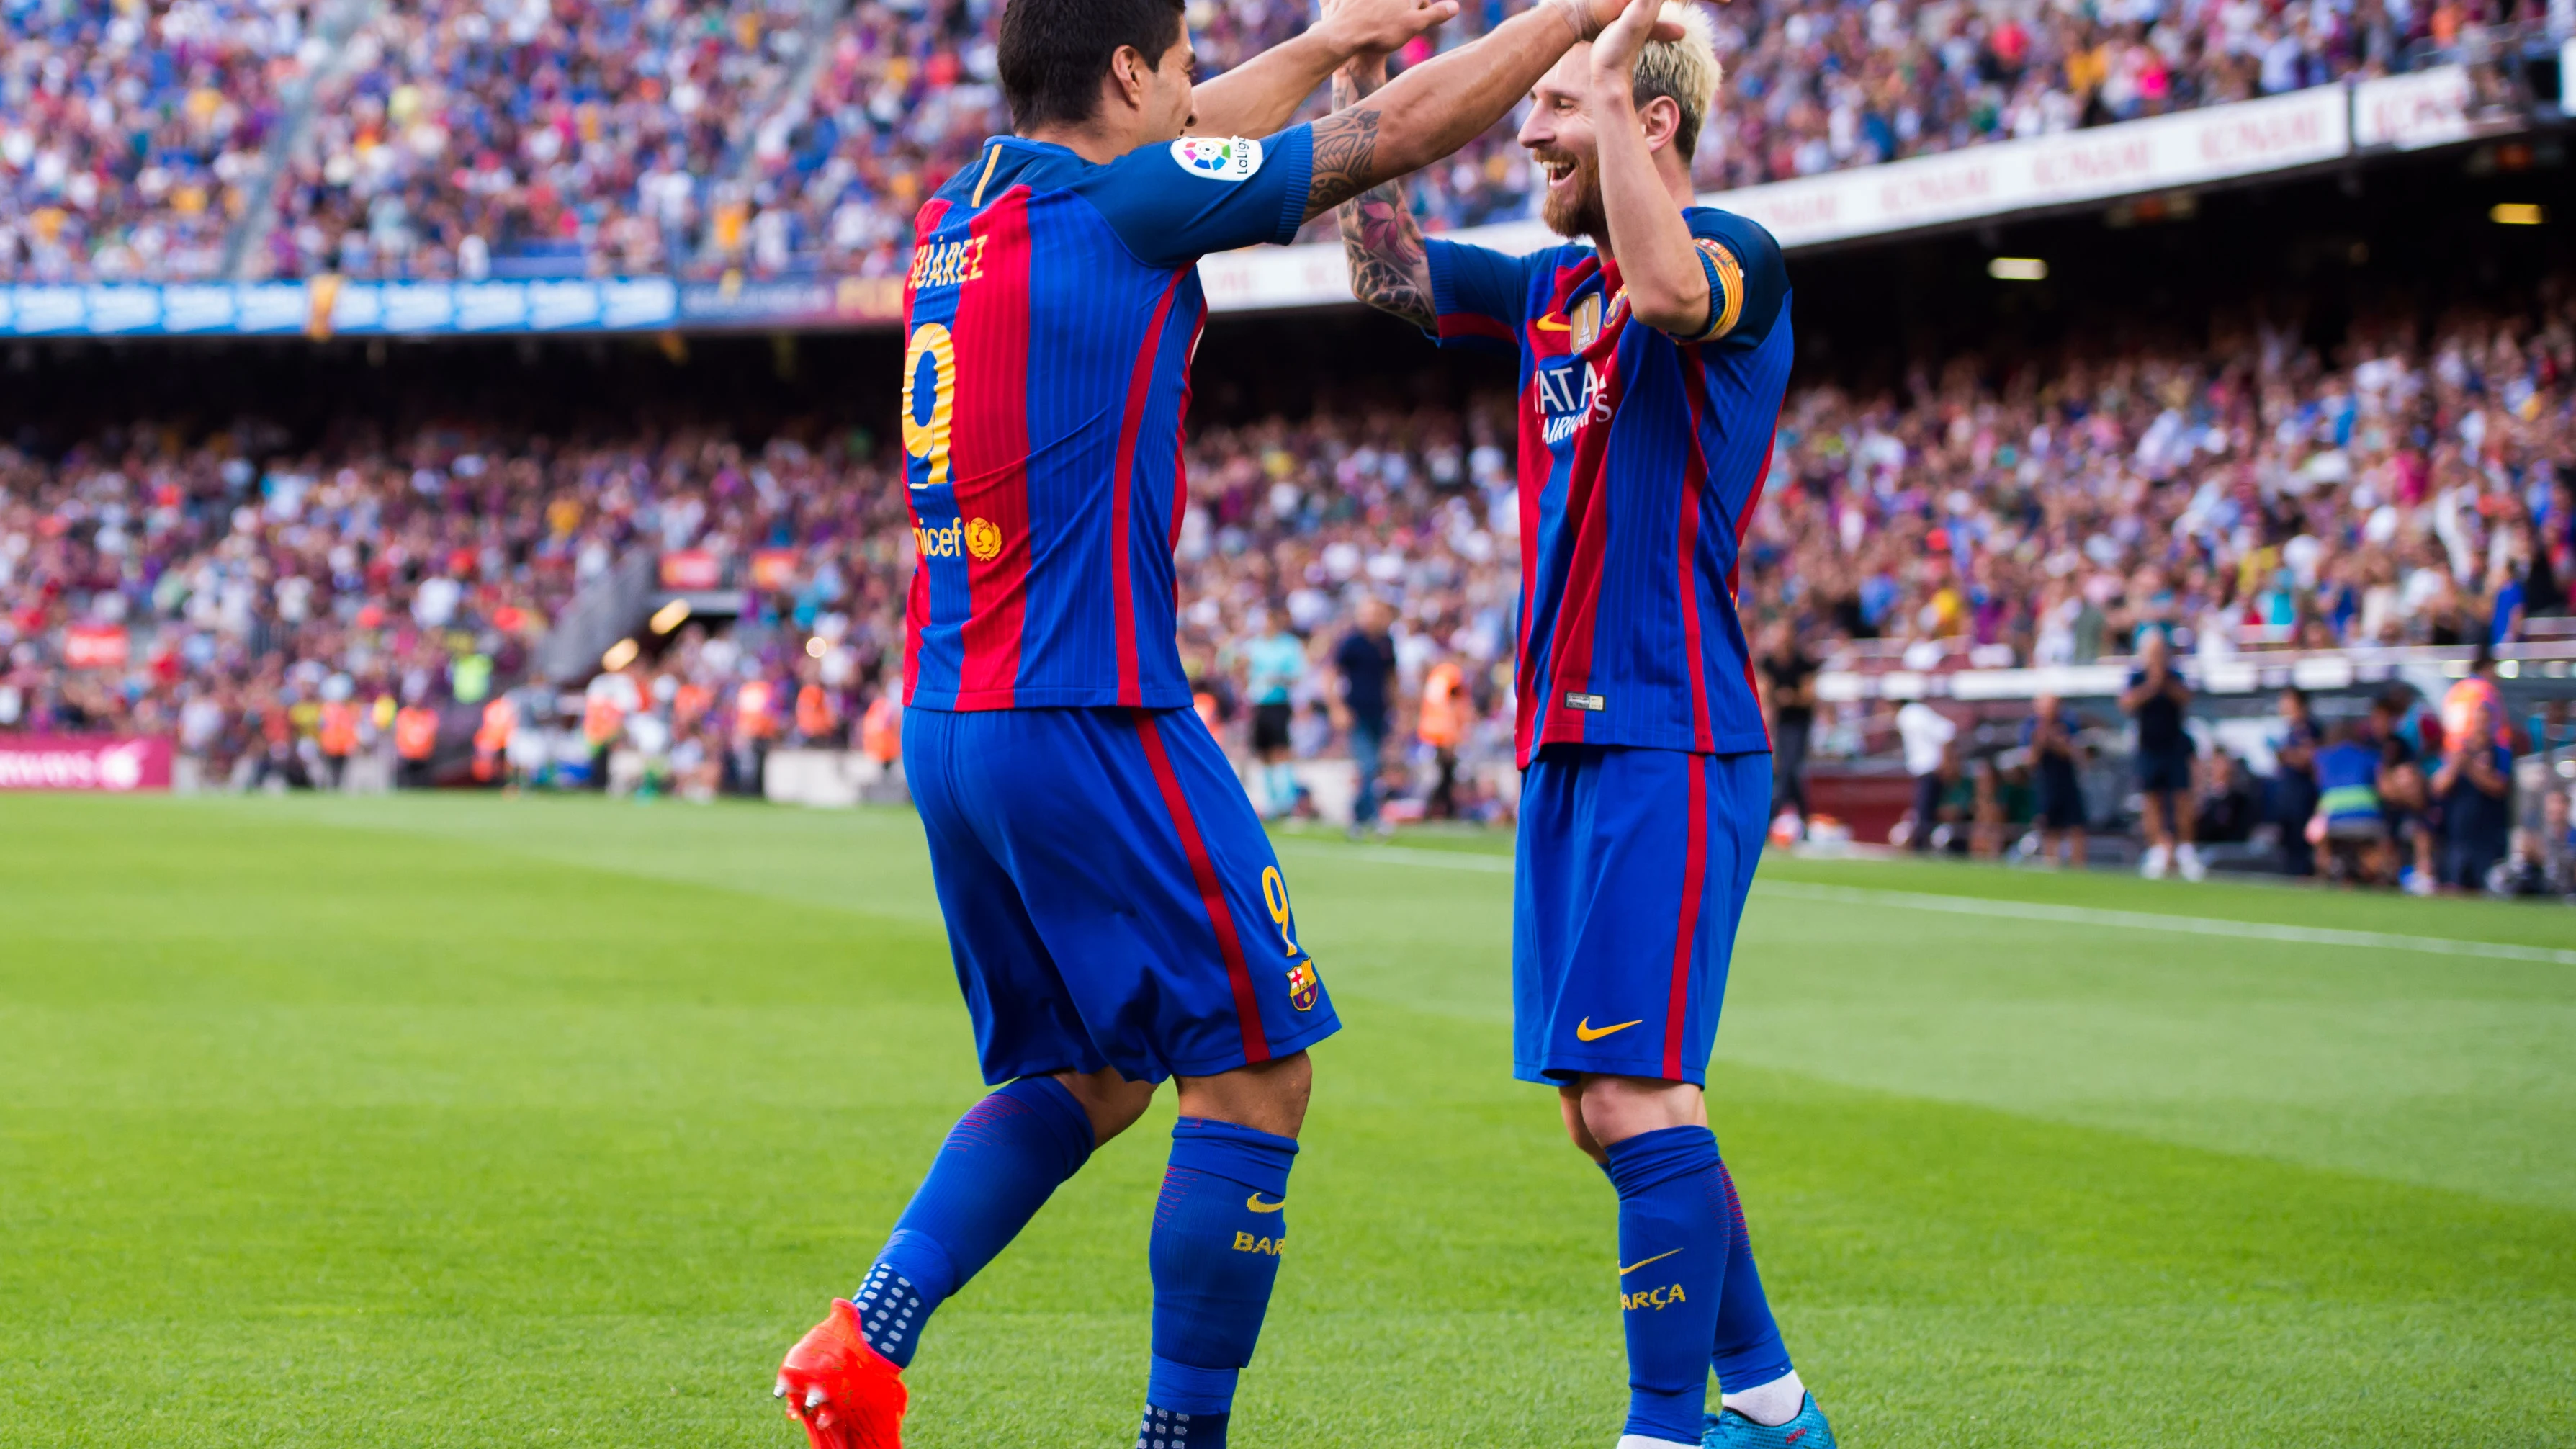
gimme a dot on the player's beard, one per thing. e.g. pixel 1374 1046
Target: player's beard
pixel 1575 209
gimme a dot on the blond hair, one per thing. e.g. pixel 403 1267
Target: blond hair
pixel 1686 70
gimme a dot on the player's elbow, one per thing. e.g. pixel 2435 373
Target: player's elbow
pixel 1680 311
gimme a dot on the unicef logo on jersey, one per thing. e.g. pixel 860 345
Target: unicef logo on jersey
pixel 1218 158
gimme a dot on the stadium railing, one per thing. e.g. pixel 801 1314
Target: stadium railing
pixel 1865 673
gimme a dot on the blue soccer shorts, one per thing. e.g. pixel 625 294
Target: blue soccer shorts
pixel 1632 872
pixel 1111 898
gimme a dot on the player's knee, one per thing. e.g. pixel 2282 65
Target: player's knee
pixel 1112 1102
pixel 1615 1109
pixel 1267 1096
pixel 1569 1104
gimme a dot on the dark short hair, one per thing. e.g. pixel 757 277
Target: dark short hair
pixel 1054 52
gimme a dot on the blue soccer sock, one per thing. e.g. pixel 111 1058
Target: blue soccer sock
pixel 994 1172
pixel 1218 1232
pixel 1672 1265
pixel 1749 1352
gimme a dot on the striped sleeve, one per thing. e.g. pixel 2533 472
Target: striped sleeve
pixel 1479 297
pixel 1746 278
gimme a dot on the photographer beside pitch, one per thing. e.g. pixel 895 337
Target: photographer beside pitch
pixel 1651 373
pixel 1116 914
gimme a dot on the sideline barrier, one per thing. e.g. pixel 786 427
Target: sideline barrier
pixel 831 779
pixel 85 763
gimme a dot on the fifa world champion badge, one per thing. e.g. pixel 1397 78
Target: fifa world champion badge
pixel 1302 986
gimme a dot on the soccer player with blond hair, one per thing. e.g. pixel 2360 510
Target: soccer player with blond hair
pixel 1117 917
pixel 1652 363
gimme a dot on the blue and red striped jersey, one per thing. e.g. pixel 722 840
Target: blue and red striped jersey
pixel 1049 318
pixel 1641 458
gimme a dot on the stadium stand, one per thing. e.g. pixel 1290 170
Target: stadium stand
pixel 1977 495
pixel 2413 491
pixel 188 140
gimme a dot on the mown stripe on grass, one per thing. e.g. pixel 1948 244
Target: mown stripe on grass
pixel 2019 910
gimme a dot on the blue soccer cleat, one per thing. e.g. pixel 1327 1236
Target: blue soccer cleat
pixel 1728 1429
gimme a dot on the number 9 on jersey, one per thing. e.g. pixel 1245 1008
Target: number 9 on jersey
pixel 929 361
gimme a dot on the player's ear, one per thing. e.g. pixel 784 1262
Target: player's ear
pixel 1661 120
pixel 1127 69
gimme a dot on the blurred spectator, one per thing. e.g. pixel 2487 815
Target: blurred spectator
pixel 2405 793
pixel 2156 698
pixel 2551 727
pixel 1274 664
pixel 2049 735
pixel 1365 659
pixel 2294 781
pixel 1927 737
pixel 2475 786
pixel 2545 862
pixel 1789 698
pixel 2228 808
pixel 1440 723
pixel 2350 822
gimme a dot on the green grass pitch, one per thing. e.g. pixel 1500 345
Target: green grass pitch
pixel 453 1121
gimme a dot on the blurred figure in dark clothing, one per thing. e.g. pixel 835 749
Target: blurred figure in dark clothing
pixel 2294 783
pixel 2229 808
pixel 1789 697
pixel 2050 735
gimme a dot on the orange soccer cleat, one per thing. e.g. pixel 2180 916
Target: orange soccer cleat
pixel 846 1394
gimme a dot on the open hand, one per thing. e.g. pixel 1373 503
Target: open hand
pixel 1369 30
pixel 1614 16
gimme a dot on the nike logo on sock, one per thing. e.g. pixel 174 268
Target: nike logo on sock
pixel 1255 1203
pixel 1659 1257
pixel 1642 1262
pixel 1584 1030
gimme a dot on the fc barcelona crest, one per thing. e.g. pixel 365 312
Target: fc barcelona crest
pixel 1303 988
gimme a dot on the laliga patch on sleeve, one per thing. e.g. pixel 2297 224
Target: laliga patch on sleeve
pixel 1218 158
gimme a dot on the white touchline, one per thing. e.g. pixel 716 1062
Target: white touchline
pixel 2152 921
pixel 2019 910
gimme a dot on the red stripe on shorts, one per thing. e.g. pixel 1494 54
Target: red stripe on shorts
pixel 1694 871
pixel 1247 1011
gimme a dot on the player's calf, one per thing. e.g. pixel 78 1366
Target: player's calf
pixel 1220 1228
pixel 998 1166
pixel 1672 1266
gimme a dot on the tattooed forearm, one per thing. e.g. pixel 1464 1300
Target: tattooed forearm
pixel 1388 269
pixel 1345 159
pixel 1380 237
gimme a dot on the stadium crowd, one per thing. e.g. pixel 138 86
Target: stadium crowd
pixel 466 138
pixel 229 590
pixel 130 135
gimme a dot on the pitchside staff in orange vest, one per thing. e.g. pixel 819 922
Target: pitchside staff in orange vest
pixel 415 741
pixel 492 737
pixel 338 735
pixel 1441 723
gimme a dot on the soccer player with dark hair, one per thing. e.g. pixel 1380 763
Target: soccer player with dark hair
pixel 1652 364
pixel 1116 914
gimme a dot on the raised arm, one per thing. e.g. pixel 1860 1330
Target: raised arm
pixel 1448 100
pixel 1658 262
pixel 1379 235
pixel 1262 94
